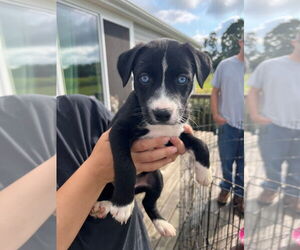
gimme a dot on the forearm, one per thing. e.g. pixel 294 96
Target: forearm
pixel 214 102
pixel 252 102
pixel 75 200
pixel 26 204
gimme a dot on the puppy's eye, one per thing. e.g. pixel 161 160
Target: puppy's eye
pixel 144 79
pixel 182 79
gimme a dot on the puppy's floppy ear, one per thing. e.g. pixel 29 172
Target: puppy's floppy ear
pixel 126 62
pixel 202 64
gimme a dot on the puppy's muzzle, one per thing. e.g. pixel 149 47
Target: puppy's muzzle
pixel 162 115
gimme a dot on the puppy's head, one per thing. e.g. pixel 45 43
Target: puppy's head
pixel 164 72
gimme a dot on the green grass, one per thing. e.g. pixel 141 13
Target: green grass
pixel 35 85
pixel 83 85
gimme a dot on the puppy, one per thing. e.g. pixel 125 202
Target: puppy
pixel 163 72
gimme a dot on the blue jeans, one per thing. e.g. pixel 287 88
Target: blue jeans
pixel 279 144
pixel 231 149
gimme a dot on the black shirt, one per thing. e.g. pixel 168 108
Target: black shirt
pixel 80 122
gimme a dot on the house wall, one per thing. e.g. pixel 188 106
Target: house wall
pixel 142 34
pixel 139 25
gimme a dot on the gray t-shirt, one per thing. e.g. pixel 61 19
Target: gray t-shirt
pixel 229 78
pixel 279 80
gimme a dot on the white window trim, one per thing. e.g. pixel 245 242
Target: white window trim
pixel 7 86
pixel 127 24
pixel 104 72
pixel 103 14
pixel 104 63
pixel 124 23
pixel 60 82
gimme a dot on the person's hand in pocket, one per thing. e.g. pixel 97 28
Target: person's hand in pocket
pixel 220 120
pixel 261 120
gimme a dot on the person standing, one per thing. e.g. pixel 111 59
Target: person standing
pixel 275 86
pixel 227 106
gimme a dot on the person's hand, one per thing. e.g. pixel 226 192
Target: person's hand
pixel 261 120
pixel 152 154
pixel 147 154
pixel 219 119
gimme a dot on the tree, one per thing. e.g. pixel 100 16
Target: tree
pixel 211 43
pixel 229 42
pixel 277 42
pixel 230 37
pixel 253 55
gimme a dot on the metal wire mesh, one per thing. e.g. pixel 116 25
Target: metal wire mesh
pixel 269 226
pixel 203 223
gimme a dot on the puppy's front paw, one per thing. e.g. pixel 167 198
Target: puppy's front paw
pixel 122 213
pixel 203 174
pixel 101 209
pixel 164 228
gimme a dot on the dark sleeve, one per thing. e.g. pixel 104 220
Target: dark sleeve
pixel 27 134
pixel 80 122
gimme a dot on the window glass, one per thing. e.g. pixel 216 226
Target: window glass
pixel 79 51
pixel 28 48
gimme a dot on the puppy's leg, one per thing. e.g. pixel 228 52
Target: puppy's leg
pixel 153 187
pixel 102 208
pixel 201 154
pixel 125 176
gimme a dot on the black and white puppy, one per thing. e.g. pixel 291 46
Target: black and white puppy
pixel 163 73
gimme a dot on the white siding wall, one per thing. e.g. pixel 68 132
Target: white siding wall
pixel 142 34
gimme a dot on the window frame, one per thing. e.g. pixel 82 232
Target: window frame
pixel 89 7
pixel 7 86
pixel 61 88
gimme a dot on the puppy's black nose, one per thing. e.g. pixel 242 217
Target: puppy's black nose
pixel 162 115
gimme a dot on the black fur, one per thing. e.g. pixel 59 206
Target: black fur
pixel 130 122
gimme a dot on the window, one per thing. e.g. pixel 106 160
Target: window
pixel 28 50
pixel 79 51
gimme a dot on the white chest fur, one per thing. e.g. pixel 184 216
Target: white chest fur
pixel 163 130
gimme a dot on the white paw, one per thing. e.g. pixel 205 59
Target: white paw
pixel 164 228
pixel 100 209
pixel 203 174
pixel 122 213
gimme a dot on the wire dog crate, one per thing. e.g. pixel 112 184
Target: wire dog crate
pixel 204 224
pixel 275 225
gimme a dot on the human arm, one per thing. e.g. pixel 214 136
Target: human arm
pixel 26 204
pixel 214 98
pixel 253 107
pixel 78 194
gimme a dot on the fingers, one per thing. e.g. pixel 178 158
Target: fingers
pixel 154 155
pixel 188 129
pixel 148 144
pixel 178 144
pixel 148 167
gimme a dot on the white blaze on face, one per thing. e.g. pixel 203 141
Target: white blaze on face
pixel 161 100
pixel 164 67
